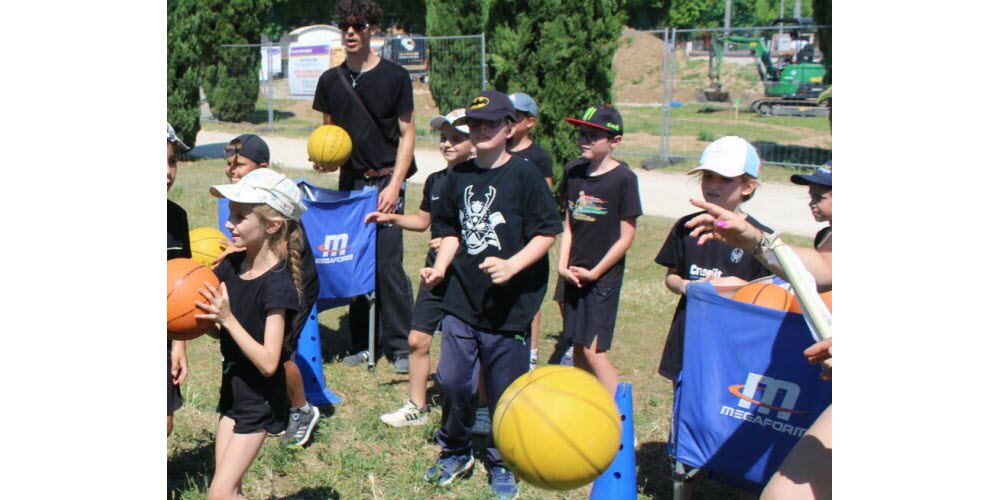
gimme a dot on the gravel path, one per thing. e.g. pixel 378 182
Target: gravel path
pixel 783 207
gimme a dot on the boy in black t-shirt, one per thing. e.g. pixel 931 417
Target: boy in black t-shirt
pixel 178 246
pixel 601 197
pixel 525 114
pixel 729 168
pixel 497 220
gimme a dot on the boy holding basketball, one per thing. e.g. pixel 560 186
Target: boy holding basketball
pixel 245 154
pixel 497 219
pixel 729 168
pixel 178 246
pixel 601 197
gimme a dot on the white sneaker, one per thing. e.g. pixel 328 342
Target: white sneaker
pixel 533 361
pixel 409 414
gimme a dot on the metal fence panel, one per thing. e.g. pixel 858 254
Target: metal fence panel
pixel 778 117
pixel 287 76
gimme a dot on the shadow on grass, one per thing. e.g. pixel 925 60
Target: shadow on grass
pixel 317 492
pixel 190 469
pixel 335 342
pixel 654 474
pixel 562 343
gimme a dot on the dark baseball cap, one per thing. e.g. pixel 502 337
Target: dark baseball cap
pixel 823 176
pixel 601 117
pixel 490 105
pixel 251 147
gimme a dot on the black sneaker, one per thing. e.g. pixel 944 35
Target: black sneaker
pixel 300 426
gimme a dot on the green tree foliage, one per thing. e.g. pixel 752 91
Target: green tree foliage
pixel 286 15
pixel 230 76
pixel 184 54
pixel 558 52
pixel 455 74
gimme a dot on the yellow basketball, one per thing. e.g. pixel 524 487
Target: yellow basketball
pixel 329 146
pixel 205 245
pixel 557 427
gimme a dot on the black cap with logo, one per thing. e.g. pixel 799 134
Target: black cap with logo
pixel 250 146
pixel 601 117
pixel 490 105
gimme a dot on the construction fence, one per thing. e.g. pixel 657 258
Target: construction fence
pixel 677 89
pixel 763 84
pixel 288 73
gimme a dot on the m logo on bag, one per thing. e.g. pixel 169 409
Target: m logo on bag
pixel 768 394
pixel 334 249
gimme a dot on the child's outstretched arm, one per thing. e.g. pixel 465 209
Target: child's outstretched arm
pixel 615 254
pixel 502 270
pixel 418 222
pixel 265 356
pixel 431 276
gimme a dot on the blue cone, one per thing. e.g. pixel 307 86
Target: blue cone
pixel 619 482
pixel 310 362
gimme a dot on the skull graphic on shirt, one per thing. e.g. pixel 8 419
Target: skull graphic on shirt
pixel 478 223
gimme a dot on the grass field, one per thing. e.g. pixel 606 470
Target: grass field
pixel 352 453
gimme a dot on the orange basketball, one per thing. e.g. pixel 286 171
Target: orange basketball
pixel 827 299
pixel 765 295
pixel 184 278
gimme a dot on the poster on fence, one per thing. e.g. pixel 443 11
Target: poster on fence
pixel 270 64
pixel 306 62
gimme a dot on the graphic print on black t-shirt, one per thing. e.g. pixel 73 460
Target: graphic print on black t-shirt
pixel 478 222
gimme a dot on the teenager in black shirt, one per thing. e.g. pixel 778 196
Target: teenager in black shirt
pixel 382 134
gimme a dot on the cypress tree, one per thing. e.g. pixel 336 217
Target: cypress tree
pixel 455 74
pixel 558 52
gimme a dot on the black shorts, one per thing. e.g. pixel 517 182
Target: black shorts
pixel 254 410
pixel 591 312
pixel 560 294
pixel 427 312
pixel 174 399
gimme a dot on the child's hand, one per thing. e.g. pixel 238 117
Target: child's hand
pixel 430 277
pixel 324 170
pixel 434 244
pixel 727 281
pixel 229 249
pixel 379 217
pixel 822 353
pixel 583 275
pixel 721 224
pixel 178 363
pixel 570 277
pixel 217 309
pixel 500 270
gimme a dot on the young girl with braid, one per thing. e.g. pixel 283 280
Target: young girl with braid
pixel 253 308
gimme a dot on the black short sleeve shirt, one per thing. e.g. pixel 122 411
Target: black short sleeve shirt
pixel 495 213
pixel 387 92
pixel 178 236
pixel 596 205
pixel 538 156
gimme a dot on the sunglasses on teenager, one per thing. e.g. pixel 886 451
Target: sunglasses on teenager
pixel 355 26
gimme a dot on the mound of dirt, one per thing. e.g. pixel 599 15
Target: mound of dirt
pixel 638 66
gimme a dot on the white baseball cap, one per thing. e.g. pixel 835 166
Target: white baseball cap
pixel 439 120
pixel 265 186
pixel 730 156
pixel 172 137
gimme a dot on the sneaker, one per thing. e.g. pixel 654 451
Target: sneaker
pixel 567 359
pixel 359 358
pixel 409 414
pixel 402 364
pixel 484 424
pixel 300 426
pixel 503 482
pixel 446 469
pixel 533 362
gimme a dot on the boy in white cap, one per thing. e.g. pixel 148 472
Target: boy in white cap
pixel 178 246
pixel 729 170
pixel 456 148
